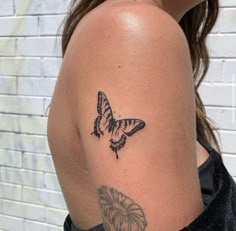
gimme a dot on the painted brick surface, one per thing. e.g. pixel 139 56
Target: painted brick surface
pixel 38 162
pixel 8 85
pixel 23 142
pixel 28 26
pixel 23 210
pixel 39 226
pixel 23 177
pixel 10 44
pixel 50 66
pixel 30 58
pixel 11 158
pixel 30 196
pixel 51 182
pixel 43 197
pixel 35 7
pixel 6 7
pixel 39 47
pixel 11 223
pixel 11 191
pixel 19 66
pixel 36 86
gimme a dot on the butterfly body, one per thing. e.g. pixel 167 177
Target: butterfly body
pixel 111 125
pixel 119 129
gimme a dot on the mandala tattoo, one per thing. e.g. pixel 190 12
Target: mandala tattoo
pixel 121 212
pixel 119 129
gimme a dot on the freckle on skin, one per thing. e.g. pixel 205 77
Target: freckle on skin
pixel 119 66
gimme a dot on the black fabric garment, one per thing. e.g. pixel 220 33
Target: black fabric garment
pixel 218 193
pixel 206 176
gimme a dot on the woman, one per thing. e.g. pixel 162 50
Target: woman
pixel 130 140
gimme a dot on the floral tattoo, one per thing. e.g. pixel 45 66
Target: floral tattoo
pixel 120 213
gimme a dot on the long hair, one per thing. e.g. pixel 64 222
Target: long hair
pixel 196 25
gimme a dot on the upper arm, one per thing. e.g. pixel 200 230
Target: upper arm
pixel 133 98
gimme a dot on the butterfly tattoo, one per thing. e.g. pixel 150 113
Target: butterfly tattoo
pixel 118 129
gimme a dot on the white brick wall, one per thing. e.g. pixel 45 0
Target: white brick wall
pixel 30 58
pixel 30 196
pixel 218 90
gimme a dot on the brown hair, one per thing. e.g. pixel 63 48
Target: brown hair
pixel 196 24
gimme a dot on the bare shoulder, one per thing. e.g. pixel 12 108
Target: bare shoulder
pixel 130 42
pixel 125 21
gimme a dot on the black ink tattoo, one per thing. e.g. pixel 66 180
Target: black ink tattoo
pixel 121 212
pixel 106 226
pixel 119 129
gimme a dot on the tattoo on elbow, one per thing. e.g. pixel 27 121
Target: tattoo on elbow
pixel 119 212
pixel 118 129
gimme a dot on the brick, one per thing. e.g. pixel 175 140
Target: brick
pixel 38 47
pixel 38 162
pixel 230 163
pixel 19 26
pixel 224 118
pixel 227 3
pixel 216 94
pixel 222 46
pixel 6 7
pixel 21 105
pixel 8 85
pixel 49 25
pixel 21 142
pixel 215 114
pixel 10 158
pixel 7 47
pixel 36 86
pixel 215 72
pixel 9 223
pixel 51 182
pixel 51 66
pixel 33 125
pixel 24 210
pixel 56 200
pixel 228 21
pixel 20 66
pixel 22 177
pixel 36 7
pixel 10 191
pixel 229 71
pixel 55 216
pixel 228 141
pixel 39 226
pixel 34 196
pixel 44 197
pixel 9 123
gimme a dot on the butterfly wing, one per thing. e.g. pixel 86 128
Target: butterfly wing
pixel 105 119
pixel 123 128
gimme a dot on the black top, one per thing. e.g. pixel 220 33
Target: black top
pixel 219 197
